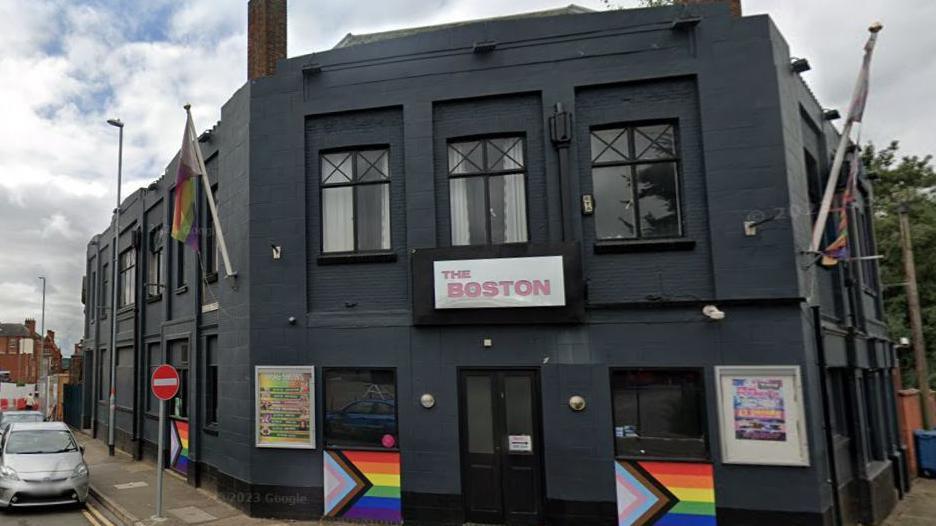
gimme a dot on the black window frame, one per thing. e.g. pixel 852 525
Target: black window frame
pixel 93 293
pixel 155 268
pixel 632 165
pixel 705 439
pixel 328 444
pixel 153 361
pixel 126 288
pixel 104 295
pixel 210 240
pixel 180 282
pixel 101 390
pixel 211 384
pixel 486 174
pixel 354 184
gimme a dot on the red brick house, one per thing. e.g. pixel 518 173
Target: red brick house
pixel 19 349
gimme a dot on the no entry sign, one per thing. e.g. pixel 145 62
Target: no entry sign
pixel 165 382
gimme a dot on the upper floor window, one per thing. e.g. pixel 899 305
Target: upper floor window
pixel 155 280
pixel 487 191
pixel 211 240
pixel 126 290
pixel 180 264
pixel 635 174
pixel 104 296
pixel 356 201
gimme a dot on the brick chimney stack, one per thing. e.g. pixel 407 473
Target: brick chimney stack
pixel 30 325
pixel 735 5
pixel 266 36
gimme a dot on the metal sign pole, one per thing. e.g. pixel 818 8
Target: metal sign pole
pixel 159 460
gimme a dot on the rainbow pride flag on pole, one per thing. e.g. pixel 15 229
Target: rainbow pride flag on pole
pixel 184 218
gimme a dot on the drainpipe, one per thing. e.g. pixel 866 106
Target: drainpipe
pixel 560 133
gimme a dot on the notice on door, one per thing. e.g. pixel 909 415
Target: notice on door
pixel 285 410
pixel 519 444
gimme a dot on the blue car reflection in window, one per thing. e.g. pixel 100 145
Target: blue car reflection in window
pixel 362 422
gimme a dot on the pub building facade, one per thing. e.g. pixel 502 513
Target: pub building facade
pixel 541 269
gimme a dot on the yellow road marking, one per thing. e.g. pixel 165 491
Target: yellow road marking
pixel 90 518
pixel 100 519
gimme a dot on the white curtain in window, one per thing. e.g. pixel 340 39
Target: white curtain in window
pixel 338 219
pixel 515 224
pixel 458 200
pixel 515 221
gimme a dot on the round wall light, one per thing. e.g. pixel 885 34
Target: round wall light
pixel 577 403
pixel 427 401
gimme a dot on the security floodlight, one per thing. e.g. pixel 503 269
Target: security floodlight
pixel 799 65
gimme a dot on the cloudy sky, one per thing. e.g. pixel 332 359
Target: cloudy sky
pixel 68 65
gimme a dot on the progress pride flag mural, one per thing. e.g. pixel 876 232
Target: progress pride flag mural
pixel 499 283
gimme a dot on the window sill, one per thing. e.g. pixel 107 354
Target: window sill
pixel 652 458
pixel 211 277
pixel 154 298
pixel 211 429
pixel 395 449
pixel 643 245
pixel 125 309
pixel 363 257
pixel 182 290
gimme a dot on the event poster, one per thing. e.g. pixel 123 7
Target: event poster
pixel 285 407
pixel 758 409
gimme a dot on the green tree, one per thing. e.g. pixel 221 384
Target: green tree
pixel 911 179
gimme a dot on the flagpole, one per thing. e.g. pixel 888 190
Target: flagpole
pixel 823 216
pixel 211 202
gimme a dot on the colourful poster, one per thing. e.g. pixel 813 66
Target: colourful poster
pixel 285 411
pixel 759 409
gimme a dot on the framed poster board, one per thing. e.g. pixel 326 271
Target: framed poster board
pixel 285 406
pixel 761 415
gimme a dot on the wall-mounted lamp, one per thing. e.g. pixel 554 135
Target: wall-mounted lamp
pixel 312 69
pixel 292 320
pixel 427 401
pixel 577 403
pixel 713 313
pixel 484 46
pixel 831 114
pixel 487 343
pixel 799 65
pixel 277 251
pixel 685 24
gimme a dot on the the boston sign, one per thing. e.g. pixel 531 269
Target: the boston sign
pixel 499 283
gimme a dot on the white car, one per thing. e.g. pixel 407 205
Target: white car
pixel 41 464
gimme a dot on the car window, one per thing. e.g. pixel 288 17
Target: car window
pixel 36 441
pixel 22 418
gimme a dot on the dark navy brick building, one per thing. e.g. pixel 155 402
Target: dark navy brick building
pixel 515 253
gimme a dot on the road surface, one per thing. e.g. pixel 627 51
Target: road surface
pixel 45 517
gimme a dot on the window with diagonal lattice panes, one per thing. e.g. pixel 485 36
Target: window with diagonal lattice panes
pixel 487 191
pixel 356 200
pixel 635 175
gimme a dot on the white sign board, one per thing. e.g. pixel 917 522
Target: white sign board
pixel 498 283
pixel 519 444
pixel 26 346
pixel 760 411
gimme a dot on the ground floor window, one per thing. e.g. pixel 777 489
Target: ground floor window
pixel 154 360
pixel 179 358
pixel 211 381
pixel 659 413
pixel 360 408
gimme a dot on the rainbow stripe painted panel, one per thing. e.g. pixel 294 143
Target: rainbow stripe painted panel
pixel 363 485
pixel 179 446
pixel 665 493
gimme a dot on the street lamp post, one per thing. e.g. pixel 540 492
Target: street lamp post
pixel 43 372
pixel 112 406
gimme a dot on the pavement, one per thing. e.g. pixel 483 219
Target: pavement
pixel 918 508
pixel 126 489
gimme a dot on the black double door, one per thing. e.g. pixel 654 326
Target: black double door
pixel 501 447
